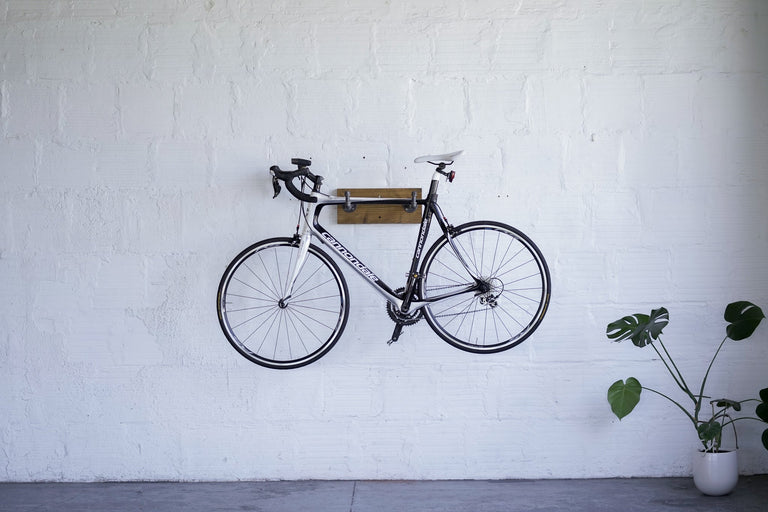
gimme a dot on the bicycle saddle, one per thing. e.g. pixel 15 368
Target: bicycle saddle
pixel 447 157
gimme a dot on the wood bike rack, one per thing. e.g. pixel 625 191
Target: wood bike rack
pixel 379 213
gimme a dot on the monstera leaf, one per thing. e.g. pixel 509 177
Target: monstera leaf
pixel 762 413
pixel 743 318
pixel 641 329
pixel 762 407
pixel 710 430
pixel 725 403
pixel 623 397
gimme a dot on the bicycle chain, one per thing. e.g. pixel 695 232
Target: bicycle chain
pixel 462 313
pixel 444 287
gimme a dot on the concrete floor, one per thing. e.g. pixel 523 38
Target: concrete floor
pixel 626 495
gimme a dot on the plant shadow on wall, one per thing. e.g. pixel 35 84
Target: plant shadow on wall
pixel 710 417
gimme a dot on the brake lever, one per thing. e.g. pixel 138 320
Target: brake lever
pixel 275 186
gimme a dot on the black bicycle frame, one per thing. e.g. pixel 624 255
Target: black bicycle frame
pixel 409 297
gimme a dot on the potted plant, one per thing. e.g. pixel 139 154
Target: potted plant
pixel 715 470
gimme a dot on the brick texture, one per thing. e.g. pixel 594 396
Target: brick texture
pixel 628 139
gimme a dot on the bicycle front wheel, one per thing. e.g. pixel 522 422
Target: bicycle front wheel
pixel 512 294
pixel 265 325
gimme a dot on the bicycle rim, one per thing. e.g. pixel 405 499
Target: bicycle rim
pixel 515 287
pixel 264 326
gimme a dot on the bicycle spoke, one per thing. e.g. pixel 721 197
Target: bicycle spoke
pixel 264 339
pixel 312 318
pixel 277 334
pixel 498 319
pixel 515 291
pixel 268 273
pixel 516 268
pixel 274 295
pixel 310 290
pixel 518 307
pixel 462 279
pixel 297 288
pixel 512 317
pixel 495 251
pixel 281 292
pixel 229 309
pixel 482 251
pixel 254 318
pixel 298 333
pixel 295 316
pixel 319 309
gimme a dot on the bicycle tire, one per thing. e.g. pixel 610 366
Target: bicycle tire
pixel 275 333
pixel 517 293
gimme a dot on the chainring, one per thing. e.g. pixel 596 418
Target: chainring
pixel 397 317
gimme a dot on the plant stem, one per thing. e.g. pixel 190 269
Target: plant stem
pixel 734 420
pixel 735 434
pixel 719 437
pixel 704 381
pixel 676 375
pixel 684 385
pixel 690 416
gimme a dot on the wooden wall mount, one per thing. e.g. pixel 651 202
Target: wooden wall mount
pixel 379 213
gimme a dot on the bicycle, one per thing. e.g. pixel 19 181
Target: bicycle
pixel 283 302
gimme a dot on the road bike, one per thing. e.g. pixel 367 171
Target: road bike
pixel 283 302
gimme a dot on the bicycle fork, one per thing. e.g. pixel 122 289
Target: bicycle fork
pixel 304 241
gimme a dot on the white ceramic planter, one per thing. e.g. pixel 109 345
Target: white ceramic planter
pixel 715 474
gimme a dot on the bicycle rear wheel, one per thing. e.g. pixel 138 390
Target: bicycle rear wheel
pixel 266 327
pixel 514 281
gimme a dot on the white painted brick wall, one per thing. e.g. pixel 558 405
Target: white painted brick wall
pixel 627 138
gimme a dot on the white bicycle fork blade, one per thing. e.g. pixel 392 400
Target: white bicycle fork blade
pixel 302 257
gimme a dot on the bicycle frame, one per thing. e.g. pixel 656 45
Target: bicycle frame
pixel 406 302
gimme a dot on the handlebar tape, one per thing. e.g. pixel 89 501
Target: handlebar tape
pixel 289 176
